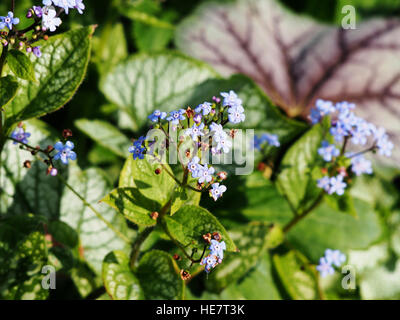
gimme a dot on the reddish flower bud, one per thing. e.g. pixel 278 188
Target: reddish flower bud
pixel 216 236
pixel 154 215
pixel 27 164
pixel 177 257
pixel 185 275
pixel 157 171
pixel 207 237
pixel 67 133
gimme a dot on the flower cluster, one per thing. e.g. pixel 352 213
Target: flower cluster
pixel 203 128
pixel 270 139
pixel 332 258
pixel 216 254
pixel 346 129
pixel 64 152
pixel 46 18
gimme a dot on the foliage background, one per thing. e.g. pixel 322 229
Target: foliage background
pixel 371 241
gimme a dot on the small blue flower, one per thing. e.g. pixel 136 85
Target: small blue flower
pixel 194 166
pixel 50 20
pixel 64 152
pixel 204 108
pixel 137 149
pixel 205 173
pixel 216 192
pixel 79 5
pixel 360 165
pixel 338 131
pixel 8 21
pixel 20 135
pixel 231 99
pixel 324 107
pixel 195 131
pixel 337 185
pixel 334 257
pixel 325 268
pixel 328 151
pixel 210 262
pixel 344 107
pixel 385 147
pixel 37 52
pixel 217 248
pixel 176 116
pixel 324 183
pixel 236 114
pixel 65 4
pixel 223 145
pixel 218 132
pixel 271 139
pixel 197 118
pixel 157 115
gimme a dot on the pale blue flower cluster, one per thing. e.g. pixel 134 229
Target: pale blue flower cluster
pixel 215 256
pixel 9 21
pixel 332 258
pixel 347 128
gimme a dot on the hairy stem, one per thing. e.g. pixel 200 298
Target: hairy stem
pixel 97 213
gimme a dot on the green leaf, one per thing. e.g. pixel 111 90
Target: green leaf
pixel 190 223
pixel 110 47
pixel 326 228
pixel 297 178
pixel 133 205
pixel 96 238
pixel 120 282
pixel 251 240
pixel 141 174
pixel 297 277
pixel 145 82
pixel 105 135
pixel 8 90
pixel 20 65
pixel 23 253
pixel 59 72
pixel 29 190
pixel 343 203
pixel 183 196
pixel 158 276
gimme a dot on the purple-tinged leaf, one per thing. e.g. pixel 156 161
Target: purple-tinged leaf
pixel 297 60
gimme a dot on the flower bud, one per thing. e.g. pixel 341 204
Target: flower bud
pixel 27 164
pixel 177 257
pixel 216 236
pixel 157 171
pixel 207 237
pixel 154 215
pixel 185 275
pixel 67 133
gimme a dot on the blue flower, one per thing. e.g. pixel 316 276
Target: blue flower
pixel 20 135
pixel 64 152
pixel 216 192
pixel 339 131
pixel 325 268
pixel 176 116
pixel 8 21
pixel 205 108
pixel 194 166
pixel 325 107
pixel 337 185
pixel 210 262
pixel 217 248
pixel 65 4
pixel 50 20
pixel 157 115
pixel 324 183
pixel 334 257
pixel 236 114
pixel 344 107
pixel 218 132
pixel 197 118
pixel 79 6
pixel 271 139
pixel 205 173
pixel 137 149
pixel 231 99
pixel 328 151
pixel 223 144
pixel 385 147
pixel 360 165
pixel 195 131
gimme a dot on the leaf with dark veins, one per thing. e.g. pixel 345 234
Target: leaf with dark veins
pixel 297 60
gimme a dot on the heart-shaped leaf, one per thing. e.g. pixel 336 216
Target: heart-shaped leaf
pixel 190 223
pixel 59 71
pixel 145 82
pixel 297 60
pixel 158 276
pixel 119 280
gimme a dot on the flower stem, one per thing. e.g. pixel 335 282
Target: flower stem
pixel 142 236
pixel 97 213
pixel 299 217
